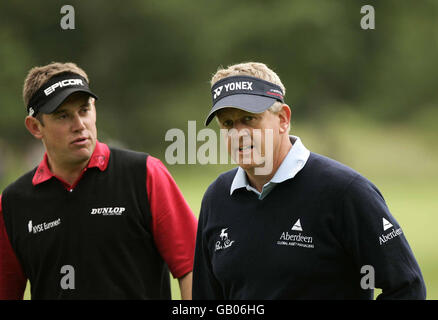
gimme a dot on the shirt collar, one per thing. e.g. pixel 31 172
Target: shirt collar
pixel 99 159
pixel 294 161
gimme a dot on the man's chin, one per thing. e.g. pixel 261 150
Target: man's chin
pixel 82 154
pixel 249 166
pixel 249 160
pixel 260 167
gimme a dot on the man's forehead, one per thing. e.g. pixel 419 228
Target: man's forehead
pixel 75 100
pixel 232 112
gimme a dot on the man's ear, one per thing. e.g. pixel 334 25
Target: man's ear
pixel 284 115
pixel 33 125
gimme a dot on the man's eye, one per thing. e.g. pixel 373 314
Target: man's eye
pixel 227 123
pixel 248 118
pixel 62 116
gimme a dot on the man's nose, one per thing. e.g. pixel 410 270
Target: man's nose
pixel 239 135
pixel 241 129
pixel 239 132
pixel 78 122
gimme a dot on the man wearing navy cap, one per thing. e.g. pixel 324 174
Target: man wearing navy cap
pixel 90 221
pixel 308 228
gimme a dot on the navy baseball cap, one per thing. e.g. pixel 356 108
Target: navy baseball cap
pixel 244 92
pixel 55 91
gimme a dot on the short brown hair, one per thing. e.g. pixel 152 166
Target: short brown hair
pixel 37 76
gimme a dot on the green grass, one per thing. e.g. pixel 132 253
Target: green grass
pixel 399 160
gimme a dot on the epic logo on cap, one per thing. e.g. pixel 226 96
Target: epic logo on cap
pixel 61 84
pixel 54 92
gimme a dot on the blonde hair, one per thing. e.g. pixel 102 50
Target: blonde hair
pixel 253 69
pixel 37 76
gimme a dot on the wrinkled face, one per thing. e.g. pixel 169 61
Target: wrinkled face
pixel 252 139
pixel 69 134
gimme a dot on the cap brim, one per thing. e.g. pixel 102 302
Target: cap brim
pixel 60 97
pixel 247 102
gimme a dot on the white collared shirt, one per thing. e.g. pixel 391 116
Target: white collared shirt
pixel 291 165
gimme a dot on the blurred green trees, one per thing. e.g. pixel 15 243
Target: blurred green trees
pixel 150 61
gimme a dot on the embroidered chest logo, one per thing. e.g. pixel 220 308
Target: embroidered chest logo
pixel 42 226
pixel 295 239
pixel 110 211
pixel 224 241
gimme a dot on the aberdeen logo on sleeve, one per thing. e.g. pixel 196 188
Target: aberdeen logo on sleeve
pixel 384 238
pixel 224 241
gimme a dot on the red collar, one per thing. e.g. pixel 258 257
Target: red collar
pixel 99 159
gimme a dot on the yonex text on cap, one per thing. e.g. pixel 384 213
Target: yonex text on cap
pixel 244 92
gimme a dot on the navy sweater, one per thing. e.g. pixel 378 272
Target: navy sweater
pixel 325 234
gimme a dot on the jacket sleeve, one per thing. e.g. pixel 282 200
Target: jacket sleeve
pixel 205 284
pixel 374 238
pixel 12 278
